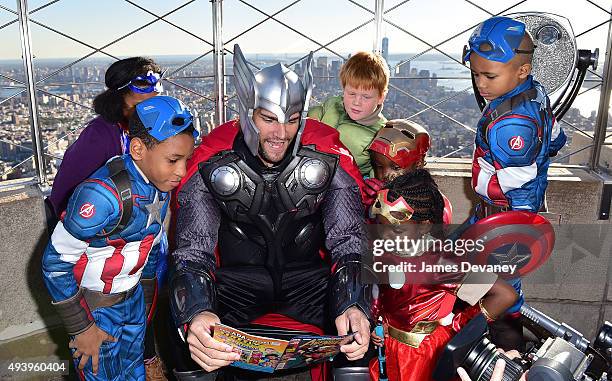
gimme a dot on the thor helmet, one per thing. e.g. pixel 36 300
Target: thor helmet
pixel 275 88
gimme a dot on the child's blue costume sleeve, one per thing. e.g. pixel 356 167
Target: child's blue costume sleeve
pixel 515 145
pixel 558 139
pixel 91 209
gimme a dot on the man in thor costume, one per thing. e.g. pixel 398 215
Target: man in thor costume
pixel 262 197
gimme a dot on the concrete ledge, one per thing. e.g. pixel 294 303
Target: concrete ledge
pixel 24 303
pixel 48 346
pixel 573 193
pixel 578 269
pixel 570 288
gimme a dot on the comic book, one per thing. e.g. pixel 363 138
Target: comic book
pixel 265 354
pixel 306 350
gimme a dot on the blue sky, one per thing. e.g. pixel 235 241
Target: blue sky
pixel 98 22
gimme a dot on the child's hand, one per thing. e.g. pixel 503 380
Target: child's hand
pixel 376 340
pixel 87 344
pixel 372 186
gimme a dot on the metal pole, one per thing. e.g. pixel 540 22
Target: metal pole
pixel 378 18
pixel 219 61
pixel 26 51
pixel 604 104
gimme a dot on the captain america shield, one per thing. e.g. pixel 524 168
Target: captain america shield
pixel 518 238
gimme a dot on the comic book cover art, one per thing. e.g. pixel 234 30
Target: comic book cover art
pixel 306 350
pixel 256 352
pixel 265 354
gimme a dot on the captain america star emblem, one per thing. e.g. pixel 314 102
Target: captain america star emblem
pixel 516 143
pixel 87 210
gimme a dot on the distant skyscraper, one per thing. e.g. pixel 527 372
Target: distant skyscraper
pixel 434 80
pixel 197 122
pixel 403 69
pixel 423 83
pixel 318 71
pixel 322 67
pixel 322 62
pixel 335 67
pixel 385 49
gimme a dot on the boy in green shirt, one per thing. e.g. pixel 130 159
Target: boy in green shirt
pixel 357 113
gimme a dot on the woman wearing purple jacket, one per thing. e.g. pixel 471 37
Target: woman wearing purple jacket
pixel 129 82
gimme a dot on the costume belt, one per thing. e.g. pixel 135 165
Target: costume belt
pixel 415 337
pixel 97 299
pixel 485 209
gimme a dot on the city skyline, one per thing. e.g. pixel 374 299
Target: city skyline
pixel 62 115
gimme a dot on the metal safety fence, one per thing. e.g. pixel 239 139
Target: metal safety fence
pixel 45 98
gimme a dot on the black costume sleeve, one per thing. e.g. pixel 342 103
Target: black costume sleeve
pixel 197 223
pixel 346 241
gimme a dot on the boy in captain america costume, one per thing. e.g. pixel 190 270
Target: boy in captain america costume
pixel 99 265
pixel 512 150
pixel 517 133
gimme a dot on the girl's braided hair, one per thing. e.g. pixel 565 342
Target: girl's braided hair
pixel 421 192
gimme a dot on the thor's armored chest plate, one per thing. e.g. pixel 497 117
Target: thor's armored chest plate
pixel 245 193
pixel 271 217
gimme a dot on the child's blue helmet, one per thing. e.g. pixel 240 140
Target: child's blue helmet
pixel 164 116
pixel 497 39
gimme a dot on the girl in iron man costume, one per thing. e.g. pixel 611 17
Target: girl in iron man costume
pixel 418 317
pixel 397 149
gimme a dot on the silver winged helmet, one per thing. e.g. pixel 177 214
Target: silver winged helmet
pixel 275 88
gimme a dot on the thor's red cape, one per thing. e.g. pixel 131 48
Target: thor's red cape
pixel 325 139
